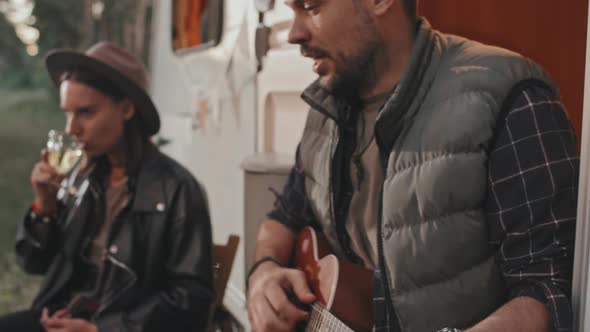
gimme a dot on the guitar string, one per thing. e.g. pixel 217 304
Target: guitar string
pixel 326 317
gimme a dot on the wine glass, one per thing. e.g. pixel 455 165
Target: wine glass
pixel 63 152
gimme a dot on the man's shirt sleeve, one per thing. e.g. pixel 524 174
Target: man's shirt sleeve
pixel 292 207
pixel 532 199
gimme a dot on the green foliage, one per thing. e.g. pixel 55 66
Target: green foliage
pixel 17 289
pixel 26 118
pixel 11 47
pixel 59 22
pixel 69 24
pixel 13 57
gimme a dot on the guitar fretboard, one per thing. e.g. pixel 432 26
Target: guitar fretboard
pixel 321 320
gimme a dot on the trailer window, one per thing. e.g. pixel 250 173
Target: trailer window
pixel 196 24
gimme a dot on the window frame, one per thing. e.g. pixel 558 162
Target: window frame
pixel 217 24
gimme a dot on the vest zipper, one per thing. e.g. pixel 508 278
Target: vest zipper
pixel 391 312
pixel 381 258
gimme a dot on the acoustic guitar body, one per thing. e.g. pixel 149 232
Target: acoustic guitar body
pixel 343 290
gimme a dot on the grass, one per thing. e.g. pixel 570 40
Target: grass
pixel 25 118
pixel 17 289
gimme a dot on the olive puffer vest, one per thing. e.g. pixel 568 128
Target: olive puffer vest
pixel 434 134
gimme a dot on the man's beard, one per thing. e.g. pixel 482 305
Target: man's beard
pixel 353 74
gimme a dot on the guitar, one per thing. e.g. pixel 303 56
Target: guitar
pixel 343 290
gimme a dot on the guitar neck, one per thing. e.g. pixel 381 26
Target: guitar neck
pixel 321 320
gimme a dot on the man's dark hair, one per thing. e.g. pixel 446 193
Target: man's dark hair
pixel 410 8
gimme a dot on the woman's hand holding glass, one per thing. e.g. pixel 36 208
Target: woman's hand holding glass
pixel 57 159
pixel 62 152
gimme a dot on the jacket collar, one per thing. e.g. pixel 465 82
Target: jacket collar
pixel 320 100
pixel 147 187
pixel 406 100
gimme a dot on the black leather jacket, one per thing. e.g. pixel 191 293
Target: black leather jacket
pixel 158 271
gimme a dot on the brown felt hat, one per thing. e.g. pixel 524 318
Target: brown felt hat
pixel 118 66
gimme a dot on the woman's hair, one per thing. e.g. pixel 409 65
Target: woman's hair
pixel 136 140
pixel 94 81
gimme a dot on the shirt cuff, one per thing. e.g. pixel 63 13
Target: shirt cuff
pixel 32 218
pixel 554 297
pixel 280 217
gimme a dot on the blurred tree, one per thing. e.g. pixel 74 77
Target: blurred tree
pixel 141 8
pixel 73 24
pixel 59 22
pixel 15 64
pixel 10 45
pixel 127 24
pixel 87 26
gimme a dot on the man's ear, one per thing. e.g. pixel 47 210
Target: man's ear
pixel 128 109
pixel 381 7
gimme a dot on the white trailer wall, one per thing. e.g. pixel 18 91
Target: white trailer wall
pixel 207 104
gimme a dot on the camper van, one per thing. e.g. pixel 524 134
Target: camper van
pixel 228 84
pixel 231 117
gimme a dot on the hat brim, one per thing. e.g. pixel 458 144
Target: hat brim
pixel 59 61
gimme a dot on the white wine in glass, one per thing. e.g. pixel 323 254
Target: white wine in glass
pixel 62 156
